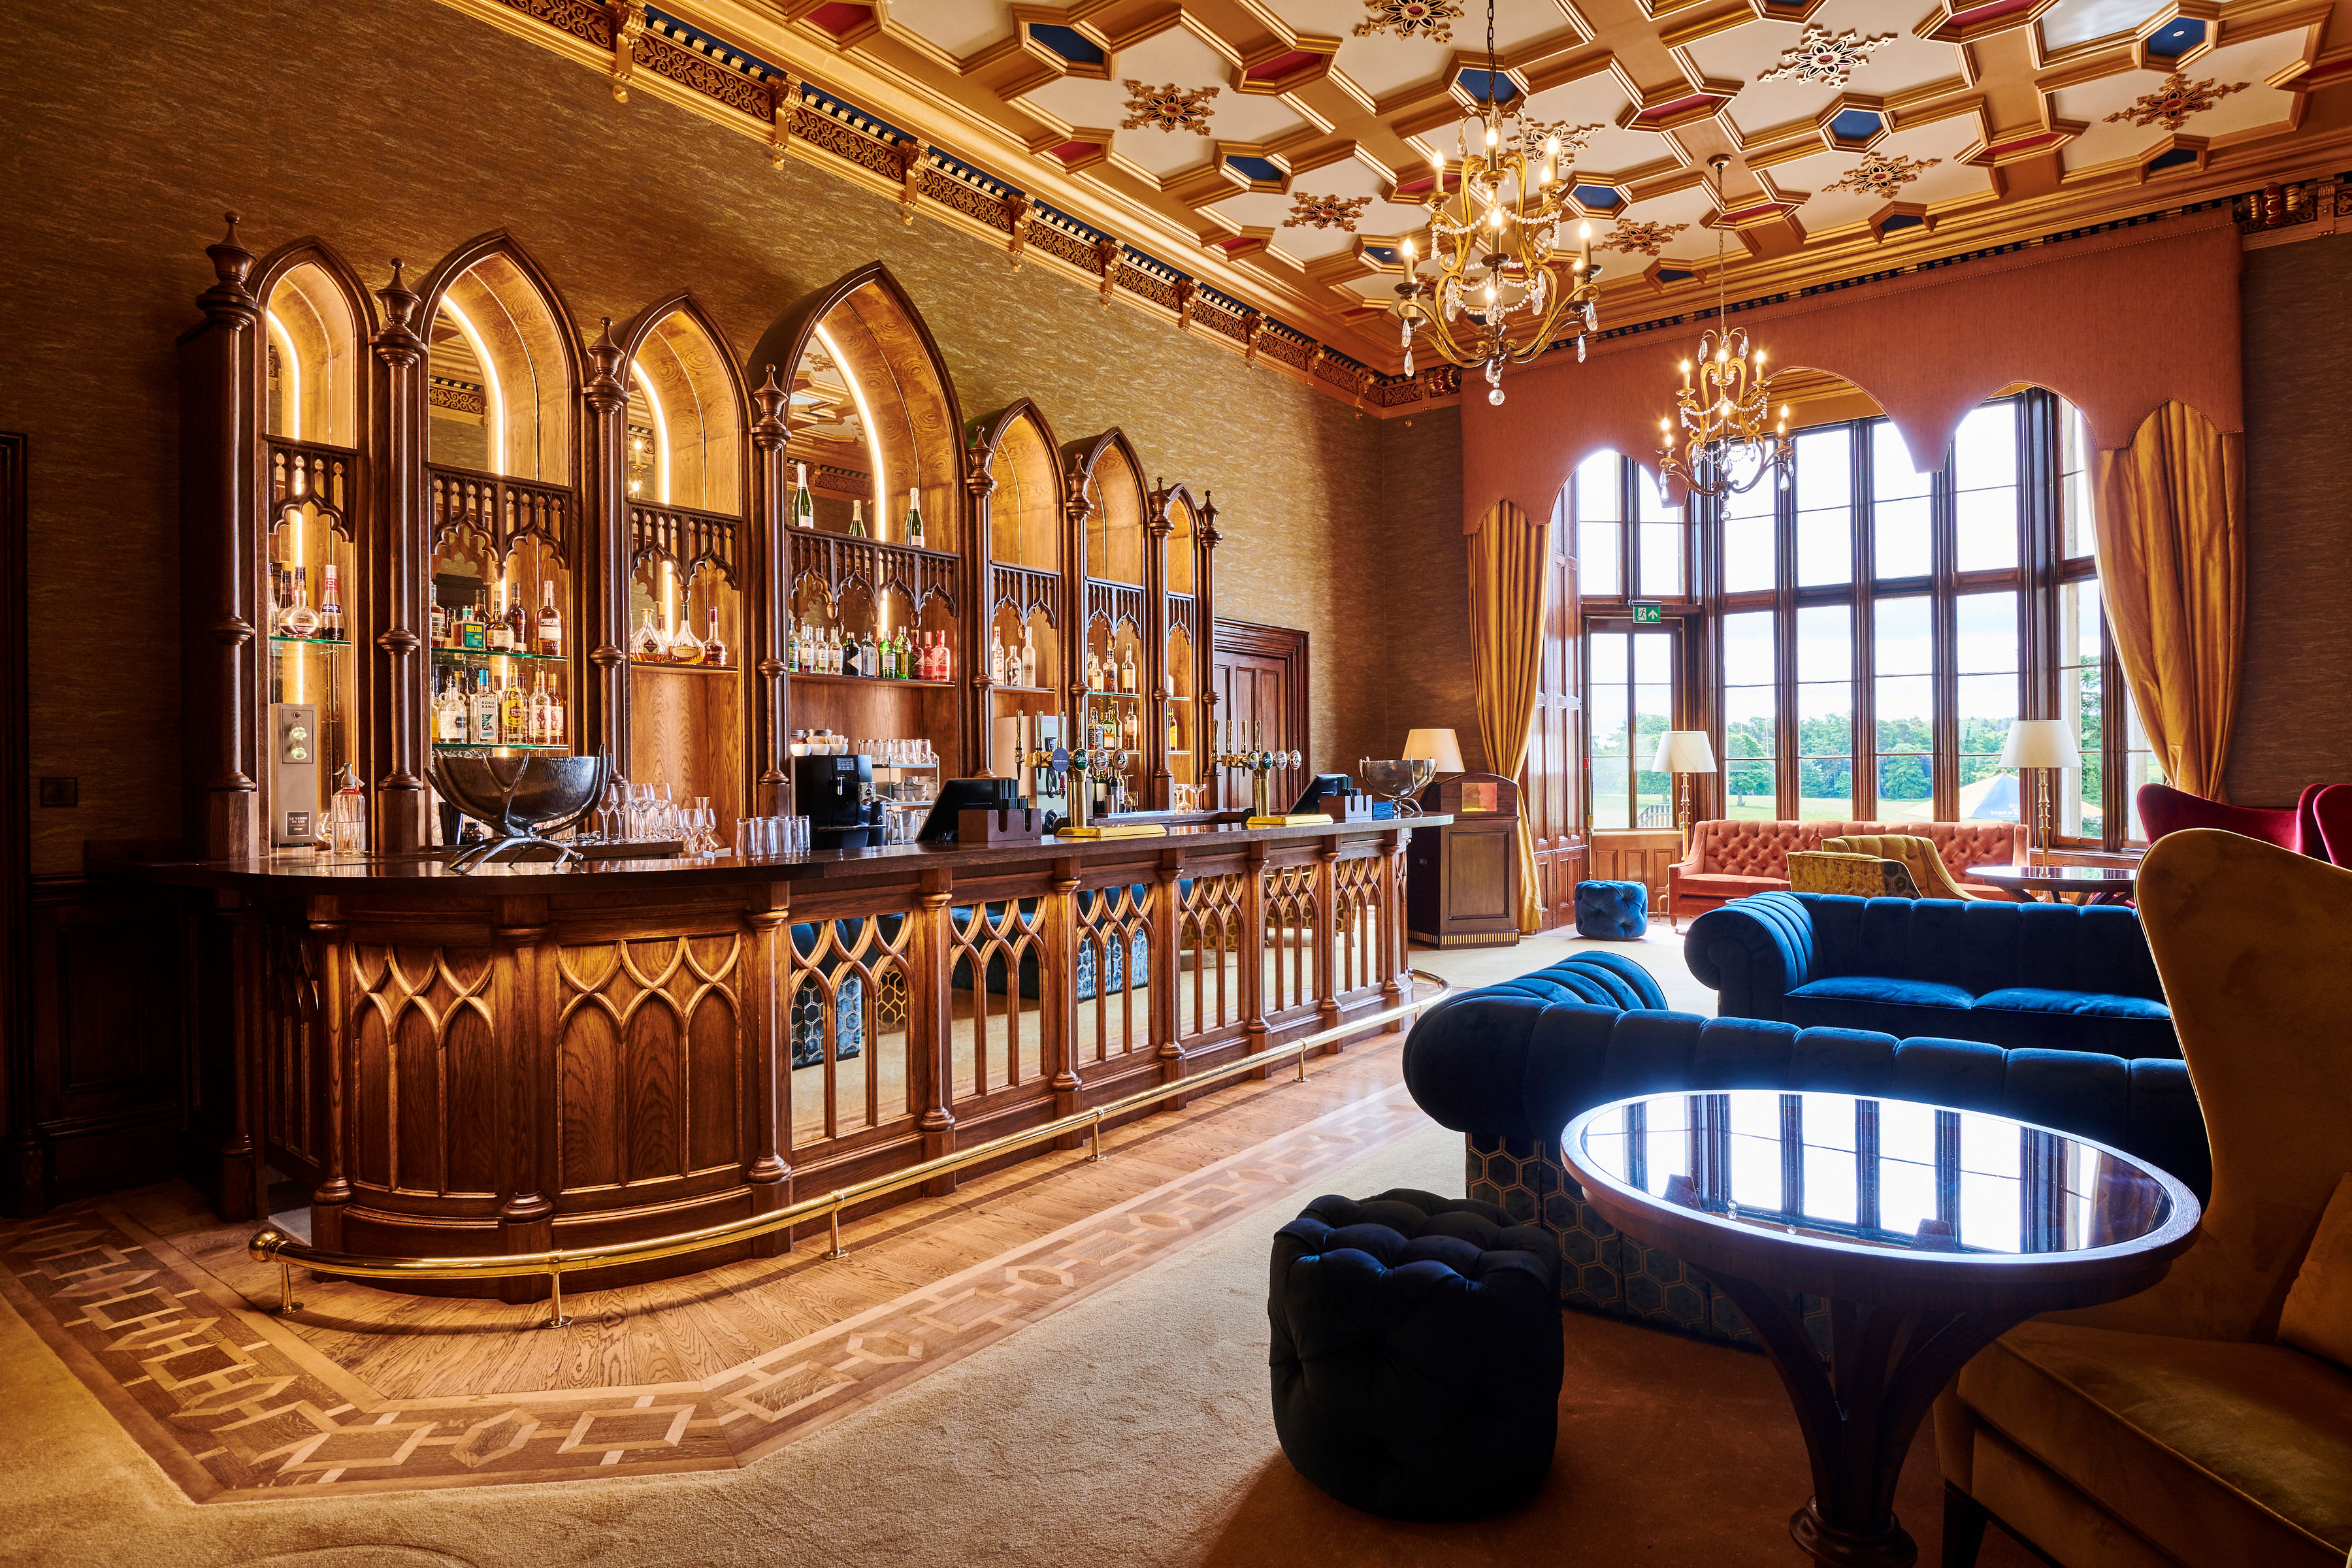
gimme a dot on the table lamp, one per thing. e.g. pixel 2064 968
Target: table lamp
pixel 1683 752
pixel 1439 746
pixel 2041 744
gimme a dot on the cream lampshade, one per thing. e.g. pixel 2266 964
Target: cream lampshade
pixel 1683 752
pixel 1439 746
pixel 2037 744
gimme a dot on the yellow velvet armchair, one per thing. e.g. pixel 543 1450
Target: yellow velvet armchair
pixel 1927 868
pixel 1862 875
pixel 2173 1427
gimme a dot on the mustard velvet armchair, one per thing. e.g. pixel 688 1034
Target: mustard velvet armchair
pixel 1862 876
pixel 1919 855
pixel 2172 1427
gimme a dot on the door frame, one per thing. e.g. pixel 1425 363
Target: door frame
pixel 1252 640
pixel 22 1180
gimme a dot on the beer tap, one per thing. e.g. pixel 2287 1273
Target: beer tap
pixel 1261 764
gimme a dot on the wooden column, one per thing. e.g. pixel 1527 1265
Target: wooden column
pixel 1388 896
pixel 1058 1005
pixel 605 554
pixel 767 582
pixel 974 626
pixel 221 684
pixel 524 991
pixel 1254 952
pixel 928 1015
pixel 1167 920
pixel 230 1148
pixel 398 689
pixel 330 957
pixel 1204 648
pixel 1327 956
pixel 767 1020
pixel 1152 764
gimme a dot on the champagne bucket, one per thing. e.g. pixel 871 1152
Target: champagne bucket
pixel 520 800
pixel 1399 780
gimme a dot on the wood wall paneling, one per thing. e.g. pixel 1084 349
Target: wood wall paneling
pixel 1259 676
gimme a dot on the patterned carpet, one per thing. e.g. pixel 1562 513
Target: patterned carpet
pixel 234 1404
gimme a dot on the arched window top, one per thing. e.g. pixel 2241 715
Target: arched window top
pixel 1015 448
pixel 871 408
pixel 1111 480
pixel 1183 530
pixel 503 367
pixel 316 321
pixel 687 411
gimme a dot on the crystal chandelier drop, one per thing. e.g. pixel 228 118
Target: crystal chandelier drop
pixel 1724 448
pixel 1502 293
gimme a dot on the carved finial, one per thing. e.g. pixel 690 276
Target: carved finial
pixel 228 300
pixel 398 342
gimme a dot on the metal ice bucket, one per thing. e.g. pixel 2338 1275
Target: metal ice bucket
pixel 520 800
pixel 1400 779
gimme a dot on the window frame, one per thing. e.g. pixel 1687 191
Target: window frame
pixel 2036 580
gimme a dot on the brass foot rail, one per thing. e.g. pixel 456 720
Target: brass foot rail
pixel 270 1245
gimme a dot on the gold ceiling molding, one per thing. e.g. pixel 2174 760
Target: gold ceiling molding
pixel 799 117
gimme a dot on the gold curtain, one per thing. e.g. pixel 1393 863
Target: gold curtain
pixel 1509 559
pixel 2172 566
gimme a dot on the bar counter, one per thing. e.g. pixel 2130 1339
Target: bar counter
pixel 526 1057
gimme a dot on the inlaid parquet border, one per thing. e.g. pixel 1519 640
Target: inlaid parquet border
pixel 234 1405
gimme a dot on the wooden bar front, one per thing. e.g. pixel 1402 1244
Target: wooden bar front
pixel 524 1057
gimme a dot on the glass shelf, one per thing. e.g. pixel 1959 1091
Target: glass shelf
pixel 312 642
pixel 1131 695
pixel 477 748
pixel 684 669
pixel 1033 690
pixel 459 655
pixel 871 679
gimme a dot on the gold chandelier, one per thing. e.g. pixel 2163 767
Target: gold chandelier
pixel 1500 295
pixel 1724 449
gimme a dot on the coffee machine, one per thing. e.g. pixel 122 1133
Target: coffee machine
pixel 836 795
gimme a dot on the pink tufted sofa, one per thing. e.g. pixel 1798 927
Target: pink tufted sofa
pixel 1729 860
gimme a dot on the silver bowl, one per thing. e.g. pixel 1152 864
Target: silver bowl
pixel 520 800
pixel 1400 779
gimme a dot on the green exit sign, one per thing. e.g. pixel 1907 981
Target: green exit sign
pixel 1647 614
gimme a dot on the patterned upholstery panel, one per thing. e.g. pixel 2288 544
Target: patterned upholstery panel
pixel 1864 875
pixel 1602 1268
pixel 1761 848
pixel 1936 879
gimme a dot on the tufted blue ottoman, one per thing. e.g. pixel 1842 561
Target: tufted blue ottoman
pixel 1617 910
pixel 1416 1354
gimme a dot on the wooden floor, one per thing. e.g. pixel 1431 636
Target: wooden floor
pixel 691 1328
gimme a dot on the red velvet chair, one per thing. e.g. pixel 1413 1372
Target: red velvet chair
pixel 2163 809
pixel 2332 808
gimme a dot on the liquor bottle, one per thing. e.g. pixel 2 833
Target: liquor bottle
pixel 996 660
pixel 331 606
pixel 1094 672
pixel 518 623
pixel 542 712
pixel 1028 672
pixel 1174 744
pixel 473 635
pixel 550 623
pixel 792 646
pixel 1127 671
pixel 439 617
pixel 485 709
pixel 449 714
pixel 914 519
pixel 685 648
pixel 497 632
pixel 856 519
pixel 713 650
pixel 276 602
pixel 555 713
pixel 1132 732
pixel 947 659
pixel 649 647
pixel 514 715
pixel 299 620
pixel 804 508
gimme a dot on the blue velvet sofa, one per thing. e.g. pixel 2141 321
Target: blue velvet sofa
pixel 2020 976
pixel 1508 1064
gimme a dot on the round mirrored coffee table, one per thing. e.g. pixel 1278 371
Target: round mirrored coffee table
pixel 2089 884
pixel 1929 1233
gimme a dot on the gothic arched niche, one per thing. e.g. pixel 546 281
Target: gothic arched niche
pixel 1015 448
pixel 502 370
pixel 872 412
pixel 687 411
pixel 316 319
pixel 1113 489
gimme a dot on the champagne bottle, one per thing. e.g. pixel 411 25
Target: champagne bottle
pixel 914 519
pixel 856 519
pixel 804 508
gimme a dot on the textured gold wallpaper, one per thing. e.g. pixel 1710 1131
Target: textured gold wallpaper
pixel 403 128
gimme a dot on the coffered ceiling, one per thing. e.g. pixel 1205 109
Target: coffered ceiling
pixel 1278 147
